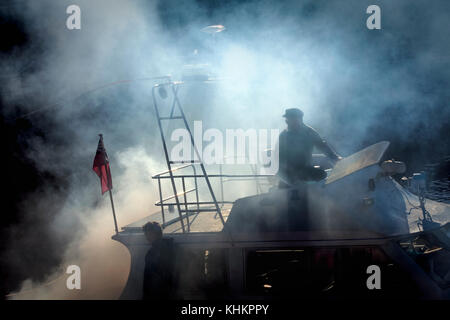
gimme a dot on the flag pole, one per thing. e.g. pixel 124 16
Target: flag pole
pixel 113 211
pixel 110 195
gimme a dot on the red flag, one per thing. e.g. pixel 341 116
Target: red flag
pixel 101 166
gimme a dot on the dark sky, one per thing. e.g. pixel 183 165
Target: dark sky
pixel 413 42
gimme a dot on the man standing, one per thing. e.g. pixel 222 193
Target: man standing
pixel 296 144
pixel 158 272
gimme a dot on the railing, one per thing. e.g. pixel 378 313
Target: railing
pixel 188 210
pixel 159 93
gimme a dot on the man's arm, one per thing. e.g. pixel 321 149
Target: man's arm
pixel 323 146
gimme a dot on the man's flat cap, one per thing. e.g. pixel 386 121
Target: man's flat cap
pixel 293 113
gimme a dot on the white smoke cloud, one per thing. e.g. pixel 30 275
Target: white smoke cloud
pixel 317 56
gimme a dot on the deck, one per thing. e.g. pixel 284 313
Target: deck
pixel 199 222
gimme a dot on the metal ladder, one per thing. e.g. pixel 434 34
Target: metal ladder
pixel 181 207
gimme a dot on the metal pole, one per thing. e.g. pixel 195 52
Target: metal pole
pixel 113 211
pixel 196 186
pixel 161 201
pixel 221 182
pixel 185 205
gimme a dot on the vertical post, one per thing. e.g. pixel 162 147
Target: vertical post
pixel 221 183
pixel 221 188
pixel 196 188
pixel 161 202
pixel 113 211
pixel 185 204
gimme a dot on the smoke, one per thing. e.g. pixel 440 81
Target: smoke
pixel 356 86
pixel 104 263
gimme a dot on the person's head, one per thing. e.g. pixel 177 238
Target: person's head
pixel 152 231
pixel 294 117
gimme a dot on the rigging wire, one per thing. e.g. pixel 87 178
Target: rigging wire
pixel 103 86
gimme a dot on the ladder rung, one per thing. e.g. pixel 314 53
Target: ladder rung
pixel 170 118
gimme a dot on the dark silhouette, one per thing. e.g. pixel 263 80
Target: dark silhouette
pixel 158 264
pixel 296 144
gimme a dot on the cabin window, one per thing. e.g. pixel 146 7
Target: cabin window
pixel 201 273
pixel 323 272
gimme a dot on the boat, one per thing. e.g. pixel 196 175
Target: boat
pixel 356 234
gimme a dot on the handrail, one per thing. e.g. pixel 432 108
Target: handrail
pixel 173 196
pixel 163 175
pixel 167 171
pixel 220 175
pixel 192 203
pixel 160 203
